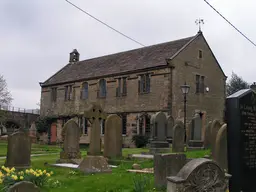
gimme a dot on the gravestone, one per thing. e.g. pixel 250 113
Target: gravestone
pixel 158 140
pixel 216 125
pixel 241 137
pixel 113 137
pixel 71 134
pixel 178 138
pixel 207 136
pixel 18 150
pixel 32 133
pixel 94 162
pixel 199 175
pixel 170 125
pixel 95 114
pixel 221 148
pixel 23 186
pixel 167 165
pixel 195 132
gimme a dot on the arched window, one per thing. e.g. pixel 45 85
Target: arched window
pixel 84 91
pixel 103 88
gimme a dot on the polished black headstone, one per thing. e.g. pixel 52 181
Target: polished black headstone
pixel 241 138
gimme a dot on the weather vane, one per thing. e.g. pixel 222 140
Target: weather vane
pixel 199 22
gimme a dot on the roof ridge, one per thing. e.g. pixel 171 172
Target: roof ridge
pixel 120 62
pixel 136 49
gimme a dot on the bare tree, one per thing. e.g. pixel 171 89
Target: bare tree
pixel 5 98
pixel 5 95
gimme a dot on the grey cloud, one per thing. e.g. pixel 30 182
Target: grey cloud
pixel 37 36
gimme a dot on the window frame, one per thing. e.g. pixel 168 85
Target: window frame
pixel 102 93
pixel 200 54
pixel 54 94
pixel 83 92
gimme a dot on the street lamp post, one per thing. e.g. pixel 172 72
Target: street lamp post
pixel 185 89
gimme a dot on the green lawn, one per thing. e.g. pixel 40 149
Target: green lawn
pixel 36 149
pixel 70 180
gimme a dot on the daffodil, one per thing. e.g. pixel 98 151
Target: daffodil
pixel 21 177
pixel 48 174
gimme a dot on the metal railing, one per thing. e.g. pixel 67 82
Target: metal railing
pixel 21 110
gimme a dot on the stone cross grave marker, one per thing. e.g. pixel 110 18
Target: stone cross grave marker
pixel 113 137
pixel 23 186
pixel 170 125
pixel 216 125
pixel 198 175
pixel 207 135
pixel 178 138
pixel 71 134
pixel 18 150
pixel 221 152
pixel 241 138
pixel 95 114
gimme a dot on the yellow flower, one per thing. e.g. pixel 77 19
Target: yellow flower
pixel 51 173
pixel 3 167
pixel 1 181
pixel 13 169
pixel 14 177
pixel 48 174
pixel 21 177
pixel 8 174
pixel 44 171
pixel 27 171
pixel 37 175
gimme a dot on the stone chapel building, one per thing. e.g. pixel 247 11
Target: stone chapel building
pixel 136 84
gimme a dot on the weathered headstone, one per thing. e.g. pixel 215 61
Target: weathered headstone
pixel 170 125
pixel 158 141
pixel 216 125
pixel 95 114
pixel 241 137
pixel 113 137
pixel 71 134
pixel 32 133
pixel 198 175
pixel 23 186
pixel 93 162
pixel 196 132
pixel 178 138
pixel 167 165
pixel 221 156
pixel 18 150
pixel 207 136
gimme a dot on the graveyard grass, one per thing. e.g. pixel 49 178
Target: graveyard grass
pixel 70 180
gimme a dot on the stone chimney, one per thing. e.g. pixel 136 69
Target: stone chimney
pixel 74 56
pixel 253 86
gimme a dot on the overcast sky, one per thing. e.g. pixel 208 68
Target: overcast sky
pixel 36 36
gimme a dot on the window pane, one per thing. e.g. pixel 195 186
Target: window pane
pixel 197 83
pixel 85 91
pixel 202 84
pixel 124 86
pixel 103 89
pixel 147 83
pixel 124 120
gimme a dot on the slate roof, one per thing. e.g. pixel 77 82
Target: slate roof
pixel 137 59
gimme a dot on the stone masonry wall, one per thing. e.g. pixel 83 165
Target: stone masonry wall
pixel 156 100
pixel 213 102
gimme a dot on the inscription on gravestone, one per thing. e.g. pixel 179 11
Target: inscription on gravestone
pixel 241 121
